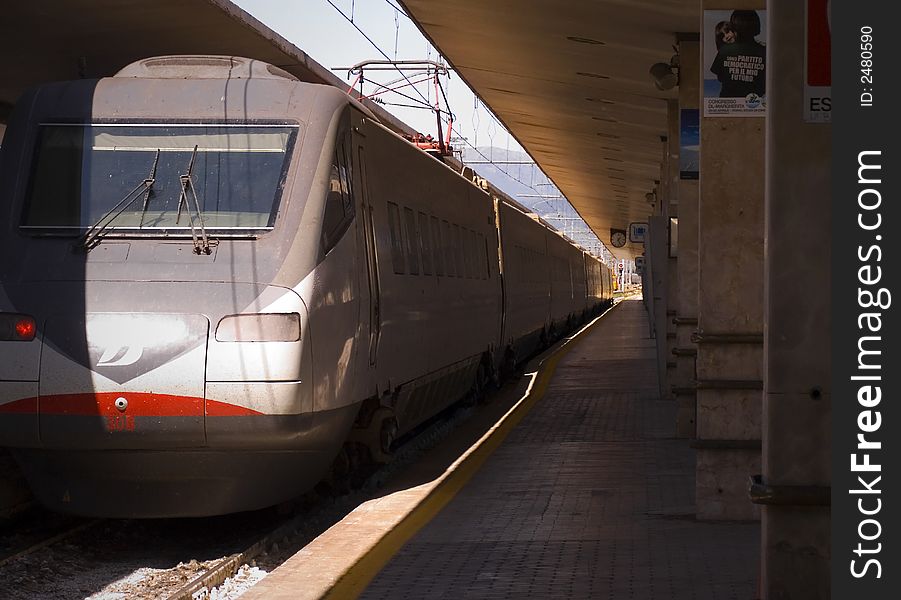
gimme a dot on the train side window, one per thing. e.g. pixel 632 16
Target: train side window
pixel 333 220
pixel 410 240
pixel 468 235
pixel 397 248
pixel 339 203
pixel 448 248
pixel 486 268
pixel 425 244
pixel 474 255
pixel 345 167
pixel 458 252
pixel 464 253
pixel 516 260
pixel 437 248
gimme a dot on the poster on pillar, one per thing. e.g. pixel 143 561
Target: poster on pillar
pixel 689 143
pixel 735 63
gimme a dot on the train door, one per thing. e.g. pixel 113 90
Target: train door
pixel 501 268
pixel 370 312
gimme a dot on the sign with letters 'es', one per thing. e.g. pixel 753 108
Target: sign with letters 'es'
pixel 818 62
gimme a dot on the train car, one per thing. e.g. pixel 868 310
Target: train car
pixel 438 280
pixel 181 255
pixel 546 283
pixel 595 283
pixel 220 282
pixel 527 287
pixel 567 294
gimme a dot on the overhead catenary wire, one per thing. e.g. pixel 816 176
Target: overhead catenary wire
pixel 386 89
pixel 396 33
pixel 398 9
pixel 426 100
pixel 495 121
pixel 374 45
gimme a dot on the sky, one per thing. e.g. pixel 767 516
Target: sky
pixel 319 29
pixel 323 29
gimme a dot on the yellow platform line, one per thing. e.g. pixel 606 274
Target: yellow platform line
pixel 358 577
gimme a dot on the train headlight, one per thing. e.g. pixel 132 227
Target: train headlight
pixel 17 328
pixel 260 327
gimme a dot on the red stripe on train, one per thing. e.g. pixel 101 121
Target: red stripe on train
pixel 140 404
pixel 25 406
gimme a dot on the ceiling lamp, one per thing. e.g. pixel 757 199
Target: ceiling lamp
pixel 666 75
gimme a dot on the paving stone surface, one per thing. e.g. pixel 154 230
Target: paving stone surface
pixel 591 496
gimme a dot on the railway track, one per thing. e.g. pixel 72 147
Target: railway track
pixel 283 541
pixel 215 575
pixel 180 558
pixel 191 559
pixel 24 538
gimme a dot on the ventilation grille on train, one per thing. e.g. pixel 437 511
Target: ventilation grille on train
pixel 203 67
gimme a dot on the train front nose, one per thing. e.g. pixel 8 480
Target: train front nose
pixel 163 414
pixel 118 380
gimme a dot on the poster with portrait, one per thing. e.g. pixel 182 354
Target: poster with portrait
pixel 734 63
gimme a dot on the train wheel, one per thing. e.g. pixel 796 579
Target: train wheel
pixel 388 436
pixel 549 336
pixel 480 386
pixel 375 434
pixel 338 480
pixel 494 374
pixel 508 366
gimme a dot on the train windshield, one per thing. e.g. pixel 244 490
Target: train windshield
pixel 82 172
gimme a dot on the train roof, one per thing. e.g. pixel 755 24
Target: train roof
pixel 107 97
pixel 202 66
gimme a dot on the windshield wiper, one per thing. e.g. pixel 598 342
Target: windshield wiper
pixel 92 236
pixel 201 243
pixel 147 191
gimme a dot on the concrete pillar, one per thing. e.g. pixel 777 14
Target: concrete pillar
pixel 730 307
pixel 671 201
pixel 657 256
pixel 686 317
pixel 797 399
pixel 656 252
pixel 647 284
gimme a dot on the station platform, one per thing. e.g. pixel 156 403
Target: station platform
pixel 590 495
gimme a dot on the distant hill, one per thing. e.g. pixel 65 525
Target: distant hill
pixel 515 179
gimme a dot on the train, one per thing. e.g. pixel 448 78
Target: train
pixel 218 281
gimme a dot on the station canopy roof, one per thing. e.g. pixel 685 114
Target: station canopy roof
pixel 570 81
pixel 55 40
